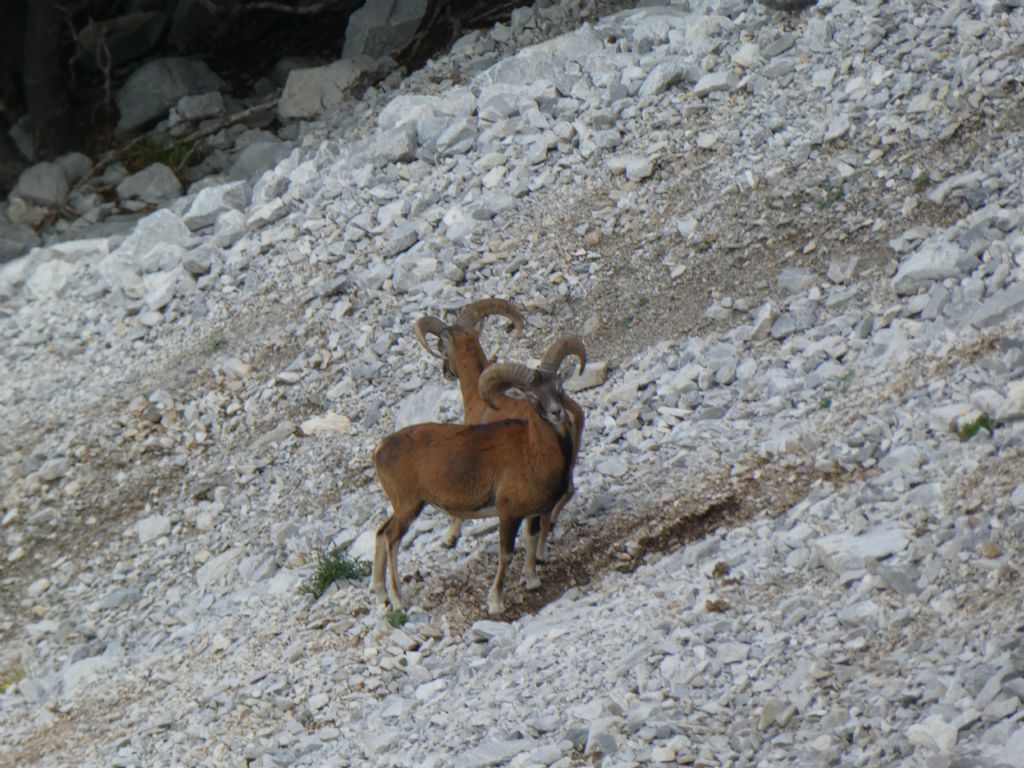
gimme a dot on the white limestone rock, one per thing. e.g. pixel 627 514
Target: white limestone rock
pixel 42 184
pixel 152 527
pixel 211 202
pixel 49 279
pixel 158 85
pixel 153 184
pixel 935 260
pixel 310 92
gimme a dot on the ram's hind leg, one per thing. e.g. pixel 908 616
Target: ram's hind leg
pixel 380 560
pixel 533 527
pixel 507 530
pixel 547 524
pixel 451 536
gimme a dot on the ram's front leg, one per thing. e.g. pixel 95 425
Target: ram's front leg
pixel 507 529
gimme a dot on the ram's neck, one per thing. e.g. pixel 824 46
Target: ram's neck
pixel 468 367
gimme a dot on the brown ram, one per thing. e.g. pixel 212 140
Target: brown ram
pixel 515 469
pixel 463 358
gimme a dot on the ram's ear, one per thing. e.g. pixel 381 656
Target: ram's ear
pixel 515 393
pixel 445 341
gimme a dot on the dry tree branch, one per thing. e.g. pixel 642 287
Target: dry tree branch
pixel 265 5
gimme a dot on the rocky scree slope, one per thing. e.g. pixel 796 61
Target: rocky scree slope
pixel 781 551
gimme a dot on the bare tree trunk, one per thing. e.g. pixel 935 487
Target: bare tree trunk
pixel 53 124
pixel 11 162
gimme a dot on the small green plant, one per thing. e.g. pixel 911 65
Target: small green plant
pixel 642 302
pixel 214 344
pixel 836 387
pixel 842 384
pixel 919 183
pixel 331 567
pixel 969 429
pixel 396 618
pixel 10 677
pixel 830 196
pixel 174 154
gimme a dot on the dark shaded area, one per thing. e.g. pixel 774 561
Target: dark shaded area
pixel 62 63
pixel 624 541
pixel 446 20
pixel 787 5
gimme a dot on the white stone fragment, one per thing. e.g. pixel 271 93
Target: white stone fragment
pixel 336 423
pixel 933 732
pixel 152 527
pixel 211 202
pixel 933 261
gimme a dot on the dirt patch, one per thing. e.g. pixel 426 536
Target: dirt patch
pixel 584 553
pixel 626 296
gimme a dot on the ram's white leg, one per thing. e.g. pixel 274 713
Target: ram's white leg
pixel 530 564
pixel 506 546
pixel 380 557
pixel 396 597
pixel 548 523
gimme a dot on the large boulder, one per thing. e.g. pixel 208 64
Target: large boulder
pixel 157 86
pixel 253 160
pixel 40 190
pixel 308 92
pixel 15 239
pixel 935 260
pixel 382 27
pixel 44 184
pixel 211 202
pixel 153 184
pixel 76 166
pixel 112 42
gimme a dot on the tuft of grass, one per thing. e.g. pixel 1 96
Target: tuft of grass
pixel 842 384
pixel 836 387
pixel 969 429
pixel 10 677
pixel 920 182
pixel 830 196
pixel 214 345
pixel 175 155
pixel 330 567
pixel 396 618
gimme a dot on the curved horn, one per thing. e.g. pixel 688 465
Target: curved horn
pixel 472 314
pixel 428 325
pixel 561 349
pixel 512 374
